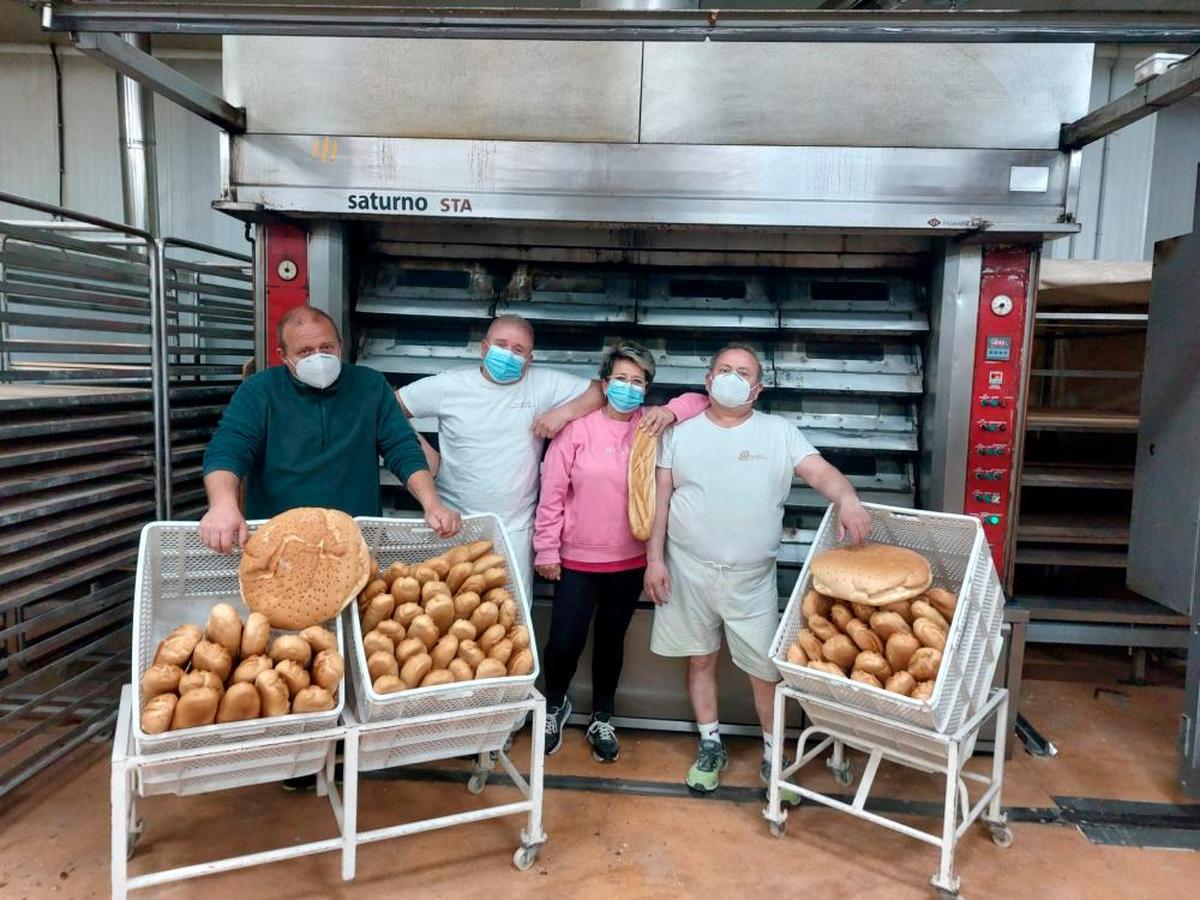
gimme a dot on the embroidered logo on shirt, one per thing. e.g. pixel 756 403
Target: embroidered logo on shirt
pixel 746 456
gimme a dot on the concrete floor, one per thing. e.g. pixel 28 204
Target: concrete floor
pixel 54 840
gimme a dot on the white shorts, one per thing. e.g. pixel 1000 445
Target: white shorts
pixel 706 598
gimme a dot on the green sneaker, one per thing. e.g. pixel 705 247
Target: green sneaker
pixel 705 774
pixel 788 795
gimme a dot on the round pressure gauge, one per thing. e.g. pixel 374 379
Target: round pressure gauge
pixel 287 271
pixel 1002 304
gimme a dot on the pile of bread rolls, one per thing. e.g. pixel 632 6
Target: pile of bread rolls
pixel 443 620
pixel 896 647
pixel 231 671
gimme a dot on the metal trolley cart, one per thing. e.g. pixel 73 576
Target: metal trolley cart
pixel 935 737
pixel 473 718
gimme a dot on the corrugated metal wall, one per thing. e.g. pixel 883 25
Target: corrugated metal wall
pixel 188 174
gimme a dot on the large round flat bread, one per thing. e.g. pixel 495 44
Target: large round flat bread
pixel 874 574
pixel 303 567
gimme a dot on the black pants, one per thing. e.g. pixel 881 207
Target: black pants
pixel 611 598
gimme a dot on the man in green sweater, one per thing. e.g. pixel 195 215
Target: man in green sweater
pixel 309 433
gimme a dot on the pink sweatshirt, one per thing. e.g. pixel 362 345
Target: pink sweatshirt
pixel 582 514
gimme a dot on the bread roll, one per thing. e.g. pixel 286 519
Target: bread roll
pixel 485 616
pixel 827 667
pixel 476 549
pixel 501 650
pixel 293 647
pixel 240 702
pixel 441 609
pixel 870 573
pixel 885 624
pixel 378 609
pixel 866 678
pixel 795 655
pixel 439 564
pixel 256 635
pixel 436 677
pixel 641 484
pixel 408 648
pixel 406 612
pixel 922 609
pixel 469 652
pixel 924 664
pixel 377 641
pixel 822 627
pixel 815 604
pixel 465 603
pixel 900 648
pixel 160 678
pixel 392 629
pixel 490 668
pixel 863 636
pixel 394 572
pixel 870 661
pixel 461 670
pixel 943 601
pixel 519 635
pixel 424 629
pixel 521 662
pixel 900 683
pixel 929 634
pixel 273 694
pixel 443 651
pixel 249 668
pixel 406 590
pixel 462 629
pixel 295 676
pixel 456 556
pixel 863 612
pixel 312 699
pixel 425 574
pixel 810 644
pixel 176 649
pixel 381 663
pixel 212 658
pixel 474 584
pixel 841 616
pixel 328 669
pixel 923 691
pixel 457 575
pixel 196 707
pixel 497 596
pixel 495 577
pixel 389 684
pixel 319 638
pixel 199 678
pixel 225 628
pixel 431 589
pixel 158 712
pixel 840 650
pixel 485 562
pixel 902 608
pixel 490 637
pixel 416 668
pixel 373 589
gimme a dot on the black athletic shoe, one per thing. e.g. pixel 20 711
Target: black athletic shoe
pixel 556 721
pixel 303 783
pixel 603 737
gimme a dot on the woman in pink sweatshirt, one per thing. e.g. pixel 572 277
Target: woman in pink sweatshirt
pixel 582 540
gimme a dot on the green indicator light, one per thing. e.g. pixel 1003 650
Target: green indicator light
pixel 992 520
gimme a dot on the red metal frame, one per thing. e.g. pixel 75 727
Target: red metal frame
pixel 996 393
pixel 285 243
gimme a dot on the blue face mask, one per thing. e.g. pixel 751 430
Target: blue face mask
pixel 624 397
pixel 503 365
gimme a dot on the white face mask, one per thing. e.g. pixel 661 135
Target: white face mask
pixel 319 370
pixel 730 390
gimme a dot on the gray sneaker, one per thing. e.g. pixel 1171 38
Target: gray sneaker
pixel 603 737
pixel 556 721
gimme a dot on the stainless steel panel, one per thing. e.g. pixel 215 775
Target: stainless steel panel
pixel 569 294
pixel 870 95
pixel 847 367
pixel 512 90
pixel 829 187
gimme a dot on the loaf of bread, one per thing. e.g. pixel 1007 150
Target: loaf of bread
pixel 240 702
pixel 256 635
pixel 328 669
pixel 225 628
pixel 870 573
pixel 196 707
pixel 295 675
pixel 273 692
pixel 643 459
pixel 176 649
pixel 312 699
pixel 157 713
pixel 160 678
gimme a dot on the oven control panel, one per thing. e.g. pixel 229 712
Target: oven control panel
pixel 1004 300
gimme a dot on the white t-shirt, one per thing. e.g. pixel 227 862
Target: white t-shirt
pixel 490 455
pixel 730 486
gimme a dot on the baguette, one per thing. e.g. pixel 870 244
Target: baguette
pixel 643 457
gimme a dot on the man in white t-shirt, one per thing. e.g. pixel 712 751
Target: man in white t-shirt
pixel 723 478
pixel 492 420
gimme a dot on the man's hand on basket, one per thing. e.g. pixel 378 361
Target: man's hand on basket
pixel 657 583
pixel 223 528
pixel 445 521
pixel 854 522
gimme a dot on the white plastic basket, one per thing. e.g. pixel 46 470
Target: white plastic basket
pixel 235 766
pixel 411 541
pixel 961 562
pixel 179 580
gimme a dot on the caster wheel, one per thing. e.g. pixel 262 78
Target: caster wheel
pixel 477 782
pixel 843 776
pixel 524 858
pixel 1002 835
pixel 778 829
pixel 949 895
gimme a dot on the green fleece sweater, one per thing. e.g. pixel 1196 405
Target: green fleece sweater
pixel 297 446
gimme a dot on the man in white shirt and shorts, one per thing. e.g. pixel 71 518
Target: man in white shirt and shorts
pixel 723 478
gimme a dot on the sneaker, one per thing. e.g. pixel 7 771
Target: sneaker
pixel 603 737
pixel 788 795
pixel 302 783
pixel 705 773
pixel 556 721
